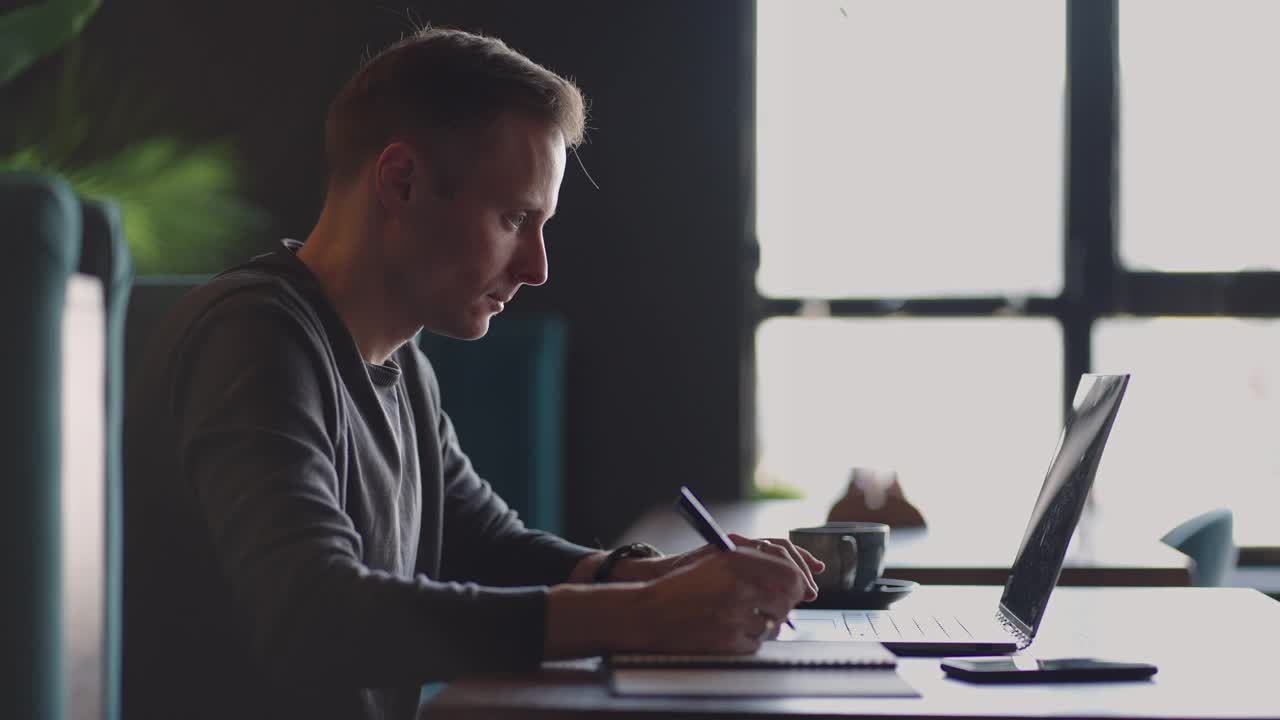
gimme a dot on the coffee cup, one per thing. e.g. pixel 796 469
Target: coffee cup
pixel 852 551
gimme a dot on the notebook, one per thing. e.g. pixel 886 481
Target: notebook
pixel 778 669
pixel 773 654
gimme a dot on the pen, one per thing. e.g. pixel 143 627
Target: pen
pixel 701 520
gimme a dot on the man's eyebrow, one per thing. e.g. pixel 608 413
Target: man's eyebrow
pixel 533 208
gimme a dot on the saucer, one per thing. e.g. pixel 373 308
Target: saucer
pixel 881 595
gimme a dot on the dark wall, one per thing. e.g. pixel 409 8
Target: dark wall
pixel 647 268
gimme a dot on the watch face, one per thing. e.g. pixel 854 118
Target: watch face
pixel 634 550
pixel 642 550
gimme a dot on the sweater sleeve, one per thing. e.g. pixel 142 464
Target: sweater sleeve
pixel 484 540
pixel 256 412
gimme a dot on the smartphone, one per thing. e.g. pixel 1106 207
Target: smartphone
pixel 1019 669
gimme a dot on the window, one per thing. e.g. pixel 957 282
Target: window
pixel 936 184
pixel 949 403
pixel 899 150
pixel 1199 151
pixel 1200 423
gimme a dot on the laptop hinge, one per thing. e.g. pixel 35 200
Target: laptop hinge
pixel 1019 630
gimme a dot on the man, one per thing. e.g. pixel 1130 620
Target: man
pixel 305 538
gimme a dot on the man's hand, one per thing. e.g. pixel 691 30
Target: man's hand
pixel 719 602
pixel 805 563
pixel 707 601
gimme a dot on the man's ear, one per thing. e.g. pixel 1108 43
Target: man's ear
pixel 395 172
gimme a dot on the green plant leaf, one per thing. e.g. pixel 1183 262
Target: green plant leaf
pixel 180 204
pixel 768 487
pixel 35 31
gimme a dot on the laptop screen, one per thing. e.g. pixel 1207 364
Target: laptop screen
pixel 1062 497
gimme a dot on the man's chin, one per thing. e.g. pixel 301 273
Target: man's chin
pixel 474 330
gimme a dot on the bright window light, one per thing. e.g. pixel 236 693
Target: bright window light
pixel 961 408
pixel 1199 425
pixel 903 145
pixel 1199 147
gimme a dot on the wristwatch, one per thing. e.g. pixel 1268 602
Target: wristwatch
pixel 634 550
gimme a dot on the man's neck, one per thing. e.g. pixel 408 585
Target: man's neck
pixel 354 285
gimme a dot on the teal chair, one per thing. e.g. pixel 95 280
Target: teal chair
pixel 505 396
pixel 152 298
pixel 41 221
pixel 51 234
pixel 1207 540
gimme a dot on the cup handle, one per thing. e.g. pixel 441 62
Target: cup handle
pixel 848 561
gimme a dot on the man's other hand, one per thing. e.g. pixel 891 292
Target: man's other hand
pixel 703 601
pixel 804 562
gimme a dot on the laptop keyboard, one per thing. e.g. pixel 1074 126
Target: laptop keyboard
pixel 889 626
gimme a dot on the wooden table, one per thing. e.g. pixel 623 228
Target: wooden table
pixel 1228 673
pixel 979 553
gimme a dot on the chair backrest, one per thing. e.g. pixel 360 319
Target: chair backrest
pixel 1207 540
pixel 505 396
pixel 41 221
pixel 152 298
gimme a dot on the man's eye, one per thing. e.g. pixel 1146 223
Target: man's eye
pixel 518 220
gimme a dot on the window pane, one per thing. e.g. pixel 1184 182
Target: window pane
pixel 962 409
pixel 1200 424
pixel 903 145
pixel 1199 151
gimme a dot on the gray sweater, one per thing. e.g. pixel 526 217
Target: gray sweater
pixel 304 536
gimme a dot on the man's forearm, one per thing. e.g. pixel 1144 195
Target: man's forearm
pixel 588 620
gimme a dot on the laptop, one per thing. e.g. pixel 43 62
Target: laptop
pixel 1035 569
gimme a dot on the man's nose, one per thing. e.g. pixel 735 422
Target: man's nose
pixel 533 269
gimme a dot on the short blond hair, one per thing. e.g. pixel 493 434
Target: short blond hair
pixel 442 79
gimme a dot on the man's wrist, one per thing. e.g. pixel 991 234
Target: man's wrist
pixel 639 569
pixel 624 563
pixel 585 620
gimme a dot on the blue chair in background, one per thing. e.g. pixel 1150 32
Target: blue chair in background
pixel 1207 540
pixel 505 396
pixel 152 298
